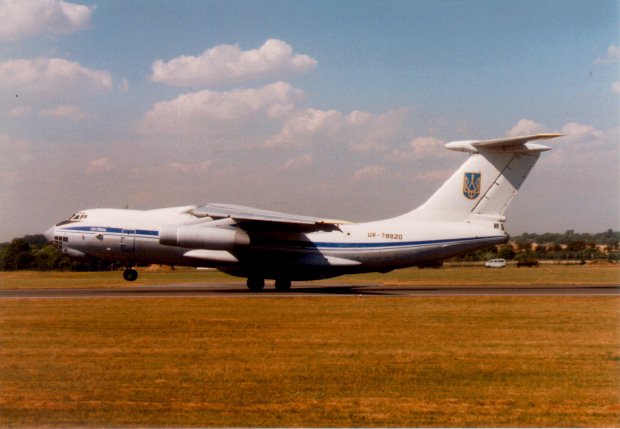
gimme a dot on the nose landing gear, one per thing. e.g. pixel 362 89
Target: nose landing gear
pixel 130 274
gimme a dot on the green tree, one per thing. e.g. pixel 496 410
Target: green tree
pixel 506 251
pixel 16 253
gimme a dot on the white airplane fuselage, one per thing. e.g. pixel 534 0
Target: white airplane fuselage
pixel 133 236
pixel 466 213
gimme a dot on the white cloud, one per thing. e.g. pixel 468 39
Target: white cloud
pixel 300 162
pixel 20 111
pixel 42 78
pixel 13 162
pixel 98 166
pixel 586 145
pixel 574 132
pixel 190 166
pixel 615 87
pixel 180 167
pixel 67 111
pixel 434 176
pixel 419 148
pixel 204 111
pixel 613 56
pixel 375 133
pixel 124 86
pixel 427 146
pixel 525 127
pixel 369 172
pixel 360 131
pixel 228 64
pixel 307 124
pixel 24 18
pixel 13 149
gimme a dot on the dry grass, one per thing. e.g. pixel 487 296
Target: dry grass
pixel 546 274
pixel 595 274
pixel 59 279
pixel 466 361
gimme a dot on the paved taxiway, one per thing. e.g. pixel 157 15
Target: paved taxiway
pixel 239 290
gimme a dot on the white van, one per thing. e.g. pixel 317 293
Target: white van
pixel 495 263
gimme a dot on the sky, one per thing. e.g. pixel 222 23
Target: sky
pixel 337 109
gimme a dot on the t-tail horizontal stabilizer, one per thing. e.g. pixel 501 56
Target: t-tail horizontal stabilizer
pixel 510 144
pixel 485 184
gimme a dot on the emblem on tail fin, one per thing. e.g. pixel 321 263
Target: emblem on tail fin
pixel 471 185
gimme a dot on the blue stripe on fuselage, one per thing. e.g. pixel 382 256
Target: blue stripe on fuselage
pixel 298 244
pixel 399 244
pixel 109 230
pixel 294 243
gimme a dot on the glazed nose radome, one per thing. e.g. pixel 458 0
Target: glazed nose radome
pixel 49 234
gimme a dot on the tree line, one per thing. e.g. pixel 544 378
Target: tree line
pixel 608 238
pixel 569 245
pixel 33 252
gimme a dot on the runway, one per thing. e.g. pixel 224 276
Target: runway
pixel 228 290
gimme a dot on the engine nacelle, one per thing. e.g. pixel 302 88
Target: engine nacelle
pixel 202 237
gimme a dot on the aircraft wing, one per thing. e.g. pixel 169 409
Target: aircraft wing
pixel 252 217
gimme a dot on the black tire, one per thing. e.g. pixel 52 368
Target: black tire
pixel 130 275
pixel 283 285
pixel 256 284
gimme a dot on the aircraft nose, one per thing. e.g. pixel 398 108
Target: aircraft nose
pixel 49 234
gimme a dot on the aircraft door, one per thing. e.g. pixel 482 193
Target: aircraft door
pixel 128 241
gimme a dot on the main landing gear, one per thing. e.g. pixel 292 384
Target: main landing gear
pixel 283 285
pixel 130 274
pixel 257 284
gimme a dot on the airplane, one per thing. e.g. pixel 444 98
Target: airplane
pixel 466 213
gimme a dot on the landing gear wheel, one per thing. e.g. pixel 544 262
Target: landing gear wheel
pixel 283 285
pixel 256 284
pixel 130 275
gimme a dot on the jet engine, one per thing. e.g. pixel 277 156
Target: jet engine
pixel 202 237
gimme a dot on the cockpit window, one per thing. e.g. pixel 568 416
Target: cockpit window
pixel 76 217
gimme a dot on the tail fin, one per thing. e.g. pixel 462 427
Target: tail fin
pixel 484 186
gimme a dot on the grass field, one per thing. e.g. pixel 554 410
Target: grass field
pixel 595 274
pixel 359 361
pixel 325 362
